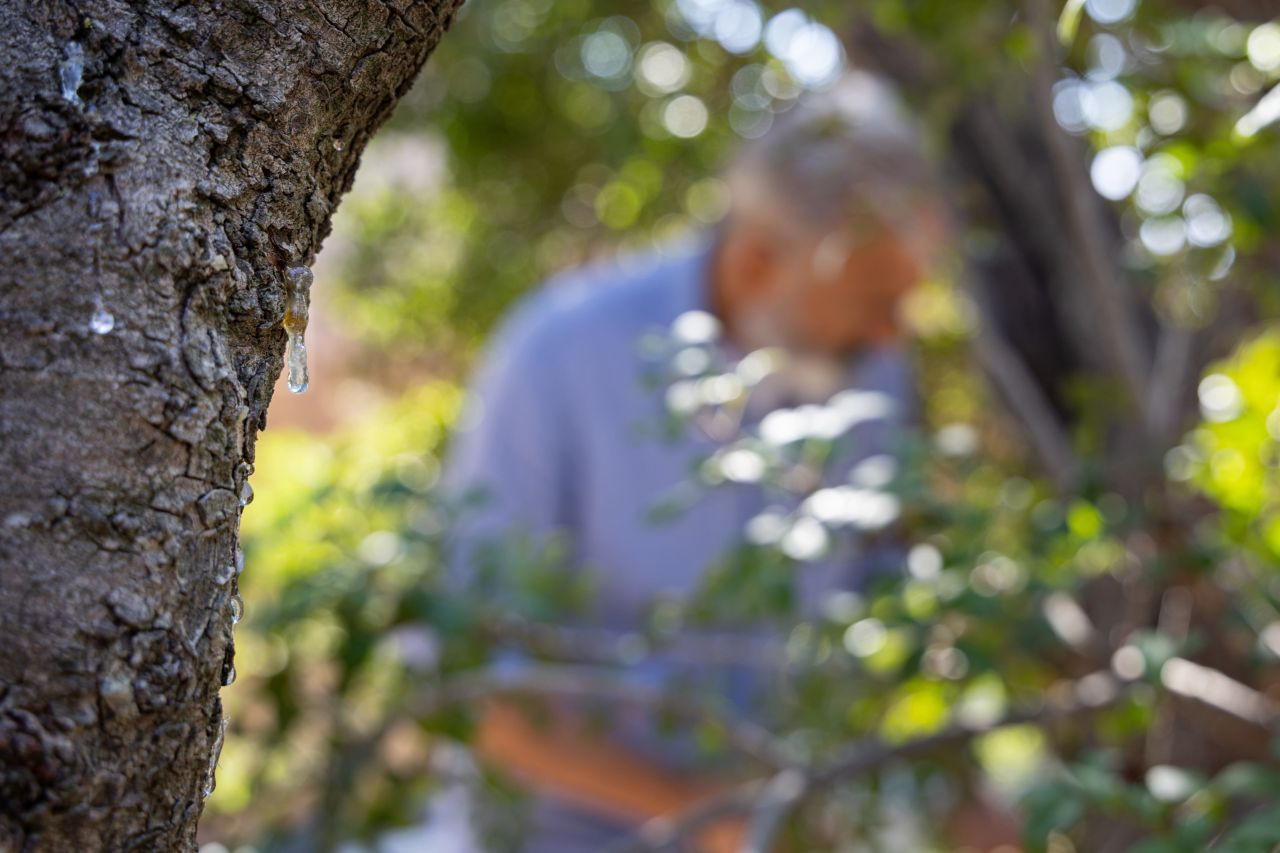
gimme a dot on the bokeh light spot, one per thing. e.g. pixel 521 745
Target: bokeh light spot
pixel 1110 11
pixel 662 69
pixel 685 116
pixel 1115 171
pixel 1263 47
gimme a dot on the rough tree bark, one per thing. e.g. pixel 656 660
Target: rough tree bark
pixel 161 166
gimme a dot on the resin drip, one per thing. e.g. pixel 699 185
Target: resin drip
pixel 297 303
pixel 102 321
pixel 71 71
pixel 210 775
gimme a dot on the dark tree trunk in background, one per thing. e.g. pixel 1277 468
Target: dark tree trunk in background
pixel 150 205
pixel 1057 306
pixel 1058 313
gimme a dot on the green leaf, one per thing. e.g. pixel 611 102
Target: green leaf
pixel 1260 832
pixel 1069 21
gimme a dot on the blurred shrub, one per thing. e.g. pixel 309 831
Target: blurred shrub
pixel 564 128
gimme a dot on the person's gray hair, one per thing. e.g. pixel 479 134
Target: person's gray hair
pixel 848 147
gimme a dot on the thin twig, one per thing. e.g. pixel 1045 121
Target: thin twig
pixel 1024 396
pixel 592 682
pixel 573 681
pixel 1207 686
pixel 1120 333
pixel 605 646
pixel 1018 185
pixel 780 794
pixel 1089 695
pixel 1174 365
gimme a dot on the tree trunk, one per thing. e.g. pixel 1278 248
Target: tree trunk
pixel 162 167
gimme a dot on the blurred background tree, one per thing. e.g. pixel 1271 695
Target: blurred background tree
pixel 1088 622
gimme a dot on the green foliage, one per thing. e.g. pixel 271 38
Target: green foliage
pixel 559 131
pixel 545 158
pixel 1234 454
pixel 350 553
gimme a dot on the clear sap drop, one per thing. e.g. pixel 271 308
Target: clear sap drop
pixel 296 310
pixel 300 279
pixel 246 494
pixel 237 608
pixel 102 321
pixel 91 167
pixel 210 778
pixel 230 678
pixel 338 145
pixel 71 71
pixel 298 379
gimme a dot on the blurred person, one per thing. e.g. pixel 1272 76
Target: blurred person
pixel 832 220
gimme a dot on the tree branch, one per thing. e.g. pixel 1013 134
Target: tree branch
pixel 560 680
pixel 593 682
pixel 1088 695
pixel 1174 363
pixel 1120 333
pixel 600 645
pixel 1024 396
pixel 1209 687
pixel 780 794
